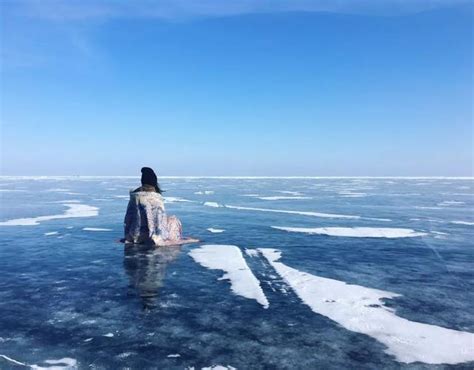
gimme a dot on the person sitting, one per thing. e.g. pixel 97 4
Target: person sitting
pixel 146 221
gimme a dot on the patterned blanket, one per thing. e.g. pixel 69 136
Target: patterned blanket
pixel 147 222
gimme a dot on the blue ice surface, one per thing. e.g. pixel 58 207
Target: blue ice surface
pixel 59 291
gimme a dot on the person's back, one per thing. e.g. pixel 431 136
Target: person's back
pixel 146 220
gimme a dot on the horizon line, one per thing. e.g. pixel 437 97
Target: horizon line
pixel 33 177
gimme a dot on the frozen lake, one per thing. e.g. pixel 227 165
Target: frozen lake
pixel 291 274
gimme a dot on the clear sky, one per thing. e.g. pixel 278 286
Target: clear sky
pixel 250 87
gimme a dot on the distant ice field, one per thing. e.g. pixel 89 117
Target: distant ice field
pixel 291 273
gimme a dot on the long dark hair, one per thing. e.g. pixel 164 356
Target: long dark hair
pixel 149 178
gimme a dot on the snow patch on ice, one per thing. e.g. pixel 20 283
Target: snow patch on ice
pixel 215 231
pixel 229 259
pixel 251 252
pixel 212 204
pixel 95 229
pixel 176 200
pixel 13 361
pixel 303 213
pixel 362 310
pixel 351 194
pixel 450 203
pixel 290 192
pixel 355 232
pixel 280 197
pixel 463 223
pixel 74 210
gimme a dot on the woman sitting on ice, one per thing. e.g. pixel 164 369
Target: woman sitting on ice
pixel 146 221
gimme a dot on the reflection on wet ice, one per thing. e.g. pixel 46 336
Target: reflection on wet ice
pixel 146 269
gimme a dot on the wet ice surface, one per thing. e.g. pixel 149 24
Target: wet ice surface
pixel 71 296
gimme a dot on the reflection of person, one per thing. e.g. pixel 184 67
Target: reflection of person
pixel 146 220
pixel 146 269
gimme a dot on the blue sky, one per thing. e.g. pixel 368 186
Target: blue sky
pixel 237 88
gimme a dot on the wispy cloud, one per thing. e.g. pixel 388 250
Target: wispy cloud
pixel 76 10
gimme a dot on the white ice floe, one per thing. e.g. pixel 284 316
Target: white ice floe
pixel 362 310
pixel 108 335
pixel 51 233
pixel 122 196
pixel 95 229
pixel 463 223
pixel 450 203
pixel 205 192
pixel 218 367
pixel 355 232
pixel 212 204
pixel 174 355
pixel 215 231
pixel 229 259
pixel 74 210
pixel 302 213
pixel 281 197
pixel 250 195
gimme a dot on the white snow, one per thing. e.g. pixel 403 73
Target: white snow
pixel 362 310
pixel 289 192
pixel 95 229
pixel 355 232
pixel 251 252
pixel 450 203
pixel 13 361
pixel 215 231
pixel 212 204
pixel 175 200
pixel 280 197
pixel 463 223
pixel 303 213
pixel 74 210
pixel 229 259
